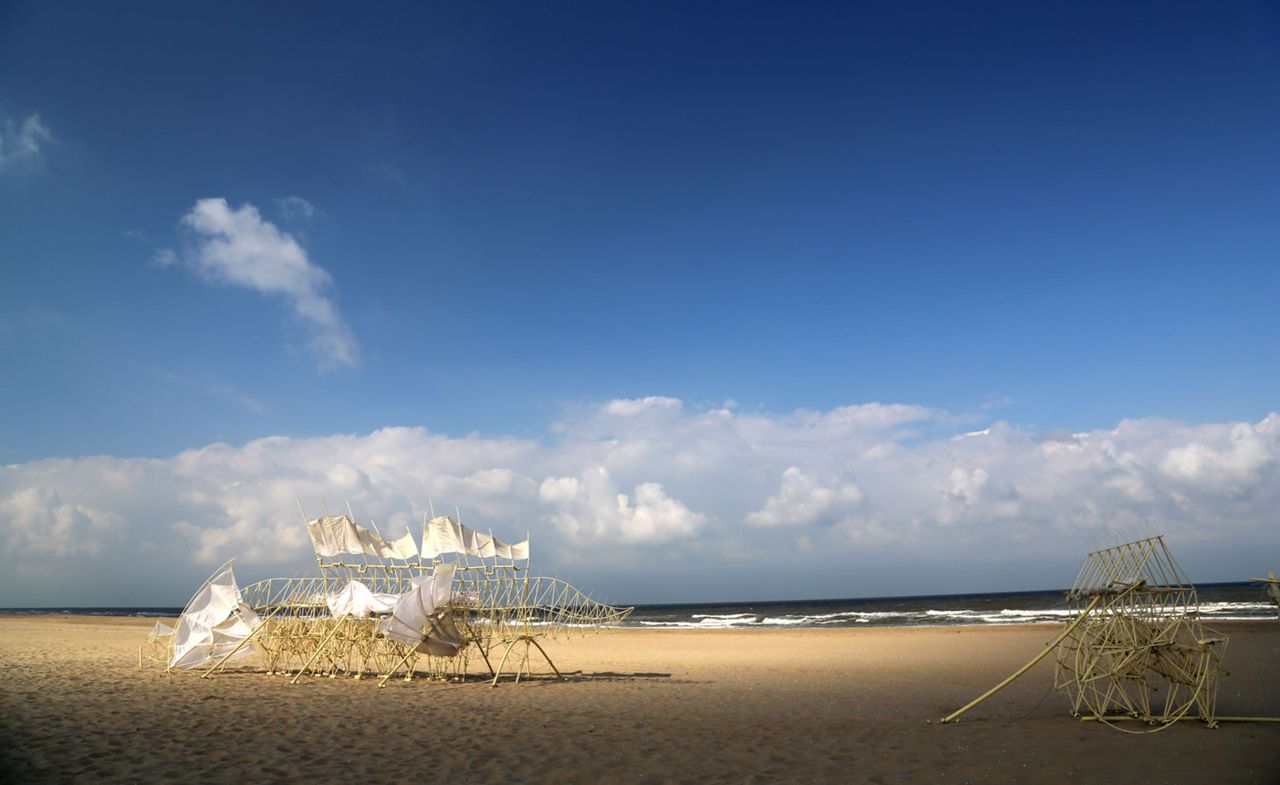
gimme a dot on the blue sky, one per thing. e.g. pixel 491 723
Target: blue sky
pixel 511 217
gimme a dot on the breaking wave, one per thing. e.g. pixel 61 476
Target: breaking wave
pixel 1221 602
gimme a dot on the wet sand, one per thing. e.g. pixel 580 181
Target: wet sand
pixel 639 706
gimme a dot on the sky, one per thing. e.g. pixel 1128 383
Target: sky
pixel 717 301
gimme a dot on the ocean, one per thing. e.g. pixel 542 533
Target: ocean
pixel 1218 602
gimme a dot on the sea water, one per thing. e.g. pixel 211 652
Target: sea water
pixel 1218 602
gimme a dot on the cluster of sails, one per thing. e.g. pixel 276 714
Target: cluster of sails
pixel 335 535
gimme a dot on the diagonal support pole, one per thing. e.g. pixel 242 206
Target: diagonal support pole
pixel 955 715
pixel 319 649
pixel 403 661
pixel 239 646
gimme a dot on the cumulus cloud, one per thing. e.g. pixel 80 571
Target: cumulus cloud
pixel 871 498
pixel 22 143
pixel 1231 465
pixel 238 247
pixel 40 524
pixel 589 508
pixel 801 501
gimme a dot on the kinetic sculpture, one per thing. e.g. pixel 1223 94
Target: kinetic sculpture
pixel 1273 589
pixel 383 608
pixel 1142 654
pixel 1136 649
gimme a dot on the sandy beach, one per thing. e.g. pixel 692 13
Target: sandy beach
pixel 806 705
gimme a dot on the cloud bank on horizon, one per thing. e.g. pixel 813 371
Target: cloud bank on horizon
pixel 866 497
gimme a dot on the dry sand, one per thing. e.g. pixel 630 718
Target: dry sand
pixel 840 706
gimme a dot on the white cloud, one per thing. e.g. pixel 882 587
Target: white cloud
pixel 40 524
pixel 851 500
pixel 801 501
pixel 994 401
pixel 295 208
pixel 1234 464
pixel 631 407
pixel 238 247
pixel 874 416
pixel 589 508
pixel 560 490
pixel 966 486
pixel 22 143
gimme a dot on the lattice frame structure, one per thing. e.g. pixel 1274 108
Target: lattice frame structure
pixel 1272 584
pixel 495 605
pixel 1138 650
pixel 158 647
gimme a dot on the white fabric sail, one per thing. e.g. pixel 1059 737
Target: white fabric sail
pixel 486 545
pixel 333 535
pixel 443 535
pixel 422 617
pixel 517 551
pixel 357 600
pixel 213 624
pixel 403 548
